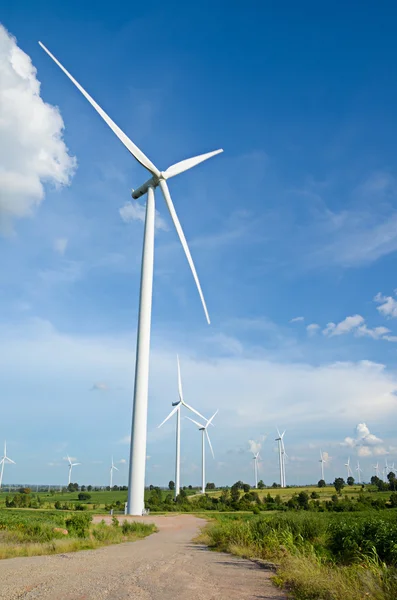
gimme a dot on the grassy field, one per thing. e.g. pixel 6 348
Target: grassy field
pixel 31 532
pixel 325 493
pixel 327 556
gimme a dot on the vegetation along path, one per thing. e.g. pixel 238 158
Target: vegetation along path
pixel 164 566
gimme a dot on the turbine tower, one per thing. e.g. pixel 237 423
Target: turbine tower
pixel 136 482
pixel 281 457
pixel 3 461
pixel 376 467
pixel 322 461
pixel 71 465
pixel 359 471
pixel 256 456
pixel 203 429
pixel 112 468
pixel 177 409
pixel 349 471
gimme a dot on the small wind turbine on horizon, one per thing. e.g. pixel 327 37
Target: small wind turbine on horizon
pixel 323 462
pixel 71 465
pixel 359 471
pixel 177 409
pixel 203 429
pixel 137 466
pixel 376 467
pixel 112 468
pixel 281 457
pixel 256 456
pixel 3 461
pixel 349 471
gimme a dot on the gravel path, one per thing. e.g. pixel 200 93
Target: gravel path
pixel 163 566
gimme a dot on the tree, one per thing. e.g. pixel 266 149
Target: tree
pixel 314 495
pixel 246 487
pixel 235 493
pixel 321 483
pixel 89 488
pixel 350 480
pixel 171 485
pixel 303 500
pixel 261 485
pixel 210 486
pixel 339 484
pixel 392 481
pixel 275 485
pixel 84 496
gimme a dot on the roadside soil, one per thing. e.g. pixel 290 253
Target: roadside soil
pixel 163 566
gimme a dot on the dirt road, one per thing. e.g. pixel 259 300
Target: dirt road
pixel 163 566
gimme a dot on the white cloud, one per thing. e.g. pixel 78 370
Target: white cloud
pixel 60 245
pixel 122 461
pixel 312 329
pixel 297 319
pixel 388 306
pixel 100 386
pixel 133 211
pixel 125 440
pixel 254 446
pixel 367 443
pixel 376 333
pixel 344 326
pixel 32 151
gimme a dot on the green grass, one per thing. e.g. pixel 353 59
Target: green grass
pixel 31 532
pixel 328 556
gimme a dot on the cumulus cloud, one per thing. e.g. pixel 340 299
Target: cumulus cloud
pixel 133 211
pixel 122 461
pixel 297 319
pixel 345 326
pixel 60 245
pixel 376 333
pixel 32 151
pixel 312 329
pixel 100 386
pixel 367 443
pixel 254 446
pixel 387 305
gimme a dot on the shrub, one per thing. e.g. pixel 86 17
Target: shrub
pixel 78 524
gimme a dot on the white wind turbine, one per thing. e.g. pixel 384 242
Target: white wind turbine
pixel 71 465
pixel 281 457
pixel 203 429
pixel 256 456
pixel 3 461
pixel 112 468
pixel 359 471
pixel 376 467
pixel 136 484
pixel 349 471
pixel 177 409
pixel 323 462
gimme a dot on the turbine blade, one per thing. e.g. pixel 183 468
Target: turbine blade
pixel 9 460
pixel 210 419
pixel 196 412
pixel 115 468
pixel 180 392
pixel 196 423
pixel 209 442
pixel 188 163
pixel 135 151
pixel 169 416
pixel 179 230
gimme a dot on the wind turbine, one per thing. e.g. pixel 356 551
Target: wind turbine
pixel 203 429
pixel 177 409
pixel 136 483
pixel 322 461
pixel 281 457
pixel 3 461
pixel 376 467
pixel 71 465
pixel 359 471
pixel 349 471
pixel 256 456
pixel 112 468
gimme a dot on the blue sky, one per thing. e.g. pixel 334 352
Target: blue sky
pixel 298 218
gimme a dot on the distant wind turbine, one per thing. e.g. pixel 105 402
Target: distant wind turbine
pixel 322 461
pixel 256 456
pixel 71 465
pixel 349 471
pixel 136 484
pixel 359 471
pixel 112 468
pixel 376 467
pixel 177 409
pixel 3 461
pixel 203 429
pixel 281 457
